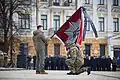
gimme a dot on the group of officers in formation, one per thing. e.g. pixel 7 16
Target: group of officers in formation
pixel 104 63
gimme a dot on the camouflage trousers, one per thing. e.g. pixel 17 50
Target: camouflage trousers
pixel 74 66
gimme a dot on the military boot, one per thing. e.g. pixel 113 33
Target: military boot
pixel 88 70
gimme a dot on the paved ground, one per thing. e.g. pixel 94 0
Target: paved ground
pixel 57 75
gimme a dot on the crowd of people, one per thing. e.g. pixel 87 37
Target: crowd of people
pixel 51 63
pixel 104 63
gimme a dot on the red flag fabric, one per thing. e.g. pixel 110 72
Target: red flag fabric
pixel 71 28
pixel 79 40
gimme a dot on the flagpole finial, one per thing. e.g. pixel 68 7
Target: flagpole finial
pixel 96 38
pixel 83 8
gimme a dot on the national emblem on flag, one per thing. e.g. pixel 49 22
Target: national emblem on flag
pixel 72 30
pixel 69 31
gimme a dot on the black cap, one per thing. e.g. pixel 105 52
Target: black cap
pixel 39 26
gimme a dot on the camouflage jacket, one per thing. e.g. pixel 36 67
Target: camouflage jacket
pixel 75 54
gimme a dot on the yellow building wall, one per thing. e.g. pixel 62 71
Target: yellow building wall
pixel 95 46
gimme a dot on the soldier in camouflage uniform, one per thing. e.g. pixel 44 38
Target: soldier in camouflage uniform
pixel 75 59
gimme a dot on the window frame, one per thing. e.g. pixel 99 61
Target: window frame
pixel 46 50
pixel 115 2
pixel 103 51
pixel 23 18
pixel 116 24
pixel 87 49
pixel 67 17
pixel 69 1
pixel 101 2
pixel 56 22
pixel 57 49
pixel 43 21
pixel 102 24
pixel 88 25
pixel 87 1
pixel 57 1
pixel 43 0
pixel 26 2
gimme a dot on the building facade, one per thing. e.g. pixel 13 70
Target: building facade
pixel 53 13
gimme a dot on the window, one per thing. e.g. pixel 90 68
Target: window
pixel 116 24
pixel 56 22
pixel 101 24
pixel 43 0
pixel 87 1
pixel 116 52
pixel 23 48
pixel 56 2
pixel 46 50
pixel 1 32
pixel 69 1
pixel 102 50
pixel 88 25
pixel 24 21
pixel 115 2
pixel 67 17
pixel 87 49
pixel 101 2
pixel 44 21
pixel 56 49
pixel 25 2
pixel 66 3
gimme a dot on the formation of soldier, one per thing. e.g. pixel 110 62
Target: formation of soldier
pixel 96 63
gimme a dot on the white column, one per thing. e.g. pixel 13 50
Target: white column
pixel 39 17
pixel 110 49
pixel 94 13
pixel 109 29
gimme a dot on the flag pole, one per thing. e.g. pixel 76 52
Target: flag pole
pixel 52 35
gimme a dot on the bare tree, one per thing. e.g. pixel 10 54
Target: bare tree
pixel 7 9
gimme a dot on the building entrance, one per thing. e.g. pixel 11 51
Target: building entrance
pixel 116 52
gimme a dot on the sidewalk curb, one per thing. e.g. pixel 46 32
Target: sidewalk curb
pixel 11 69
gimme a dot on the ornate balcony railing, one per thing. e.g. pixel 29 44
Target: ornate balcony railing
pixel 61 4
